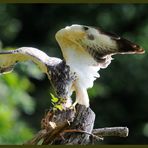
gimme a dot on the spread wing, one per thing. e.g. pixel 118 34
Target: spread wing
pixel 9 58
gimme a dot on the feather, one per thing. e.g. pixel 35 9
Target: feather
pixel 9 58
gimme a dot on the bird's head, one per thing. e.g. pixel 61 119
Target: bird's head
pixel 96 38
pixel 70 36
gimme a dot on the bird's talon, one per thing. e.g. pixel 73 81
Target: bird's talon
pixel 73 106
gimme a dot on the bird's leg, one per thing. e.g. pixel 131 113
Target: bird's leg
pixel 81 95
pixel 75 103
pixel 73 106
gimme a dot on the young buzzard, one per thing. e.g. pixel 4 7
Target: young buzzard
pixel 85 50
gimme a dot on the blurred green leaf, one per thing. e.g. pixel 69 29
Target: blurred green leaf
pixel 54 99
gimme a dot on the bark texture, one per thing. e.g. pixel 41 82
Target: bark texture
pixel 71 127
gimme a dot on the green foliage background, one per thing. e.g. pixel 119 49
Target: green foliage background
pixel 119 97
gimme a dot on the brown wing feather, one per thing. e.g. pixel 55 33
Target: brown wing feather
pixel 107 43
pixel 123 45
pixel 110 34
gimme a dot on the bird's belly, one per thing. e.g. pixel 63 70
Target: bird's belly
pixel 82 64
pixel 85 74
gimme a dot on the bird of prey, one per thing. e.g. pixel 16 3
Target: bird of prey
pixel 85 50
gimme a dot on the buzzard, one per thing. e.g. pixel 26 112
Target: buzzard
pixel 85 50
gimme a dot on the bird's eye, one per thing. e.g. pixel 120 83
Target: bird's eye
pixel 90 37
pixel 85 28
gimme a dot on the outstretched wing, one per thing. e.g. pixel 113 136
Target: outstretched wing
pixel 121 45
pixel 9 58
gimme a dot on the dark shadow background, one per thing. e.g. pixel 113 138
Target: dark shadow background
pixel 120 96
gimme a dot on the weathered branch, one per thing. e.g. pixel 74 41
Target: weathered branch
pixel 111 131
pixel 71 127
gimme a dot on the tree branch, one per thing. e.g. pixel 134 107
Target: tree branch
pixel 111 131
pixel 73 127
pixel 37 138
